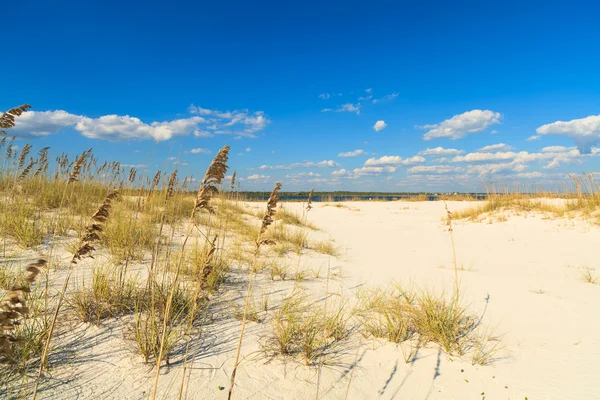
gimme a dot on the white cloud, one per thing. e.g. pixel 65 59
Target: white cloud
pixel 478 157
pixel 325 96
pixel 200 151
pixel 349 107
pixel 462 124
pixel 379 125
pixel 533 137
pixel 435 169
pixel 341 172
pixel 369 90
pixel 43 123
pixel 495 147
pixel 115 127
pixel 125 127
pixel 363 171
pixel 303 164
pixel 440 151
pixel 327 110
pixel 488 169
pixel 237 122
pixel 394 160
pixel 553 157
pixel 556 149
pixel 303 175
pixel 248 149
pixel 386 98
pixel 257 177
pixel 373 170
pixel 529 175
pixel 354 153
pixel 585 132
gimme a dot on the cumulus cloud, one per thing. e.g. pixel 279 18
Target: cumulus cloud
pixel 255 177
pixel 496 147
pixel 43 123
pixel 440 151
pixel 585 132
pixel 556 149
pixel 462 124
pixel 435 169
pixel 354 153
pixel 363 171
pixel 488 169
pixel 533 137
pixel 480 156
pixel 529 175
pixel 552 157
pixel 124 127
pixel 303 176
pixel 303 164
pixel 115 127
pixel 339 173
pixel 200 151
pixel 373 170
pixel 349 107
pixel 394 160
pixel 379 125
pixel 325 96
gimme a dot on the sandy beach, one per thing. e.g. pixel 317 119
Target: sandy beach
pixel 522 277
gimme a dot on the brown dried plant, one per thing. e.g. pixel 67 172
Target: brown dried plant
pixel 213 177
pixel 451 230
pixel 309 202
pixel 7 119
pixel 232 185
pixel 42 162
pixel 155 181
pixel 27 169
pixel 132 173
pixel 74 176
pixel 23 155
pixel 85 249
pixel 9 147
pixel 171 184
pixel 266 222
pixel 13 310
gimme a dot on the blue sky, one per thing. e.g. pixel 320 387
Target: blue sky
pixel 465 93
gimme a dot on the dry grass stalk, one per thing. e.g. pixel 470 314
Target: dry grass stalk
pixel 171 184
pixel 266 222
pixel 85 248
pixel 202 285
pixel 451 230
pixel 232 185
pixel 23 155
pixel 213 177
pixel 7 119
pixel 43 161
pixel 155 181
pixel 309 202
pixel 74 176
pixel 13 310
pixel 132 173
pixel 27 170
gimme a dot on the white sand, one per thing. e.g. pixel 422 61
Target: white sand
pixel 523 275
